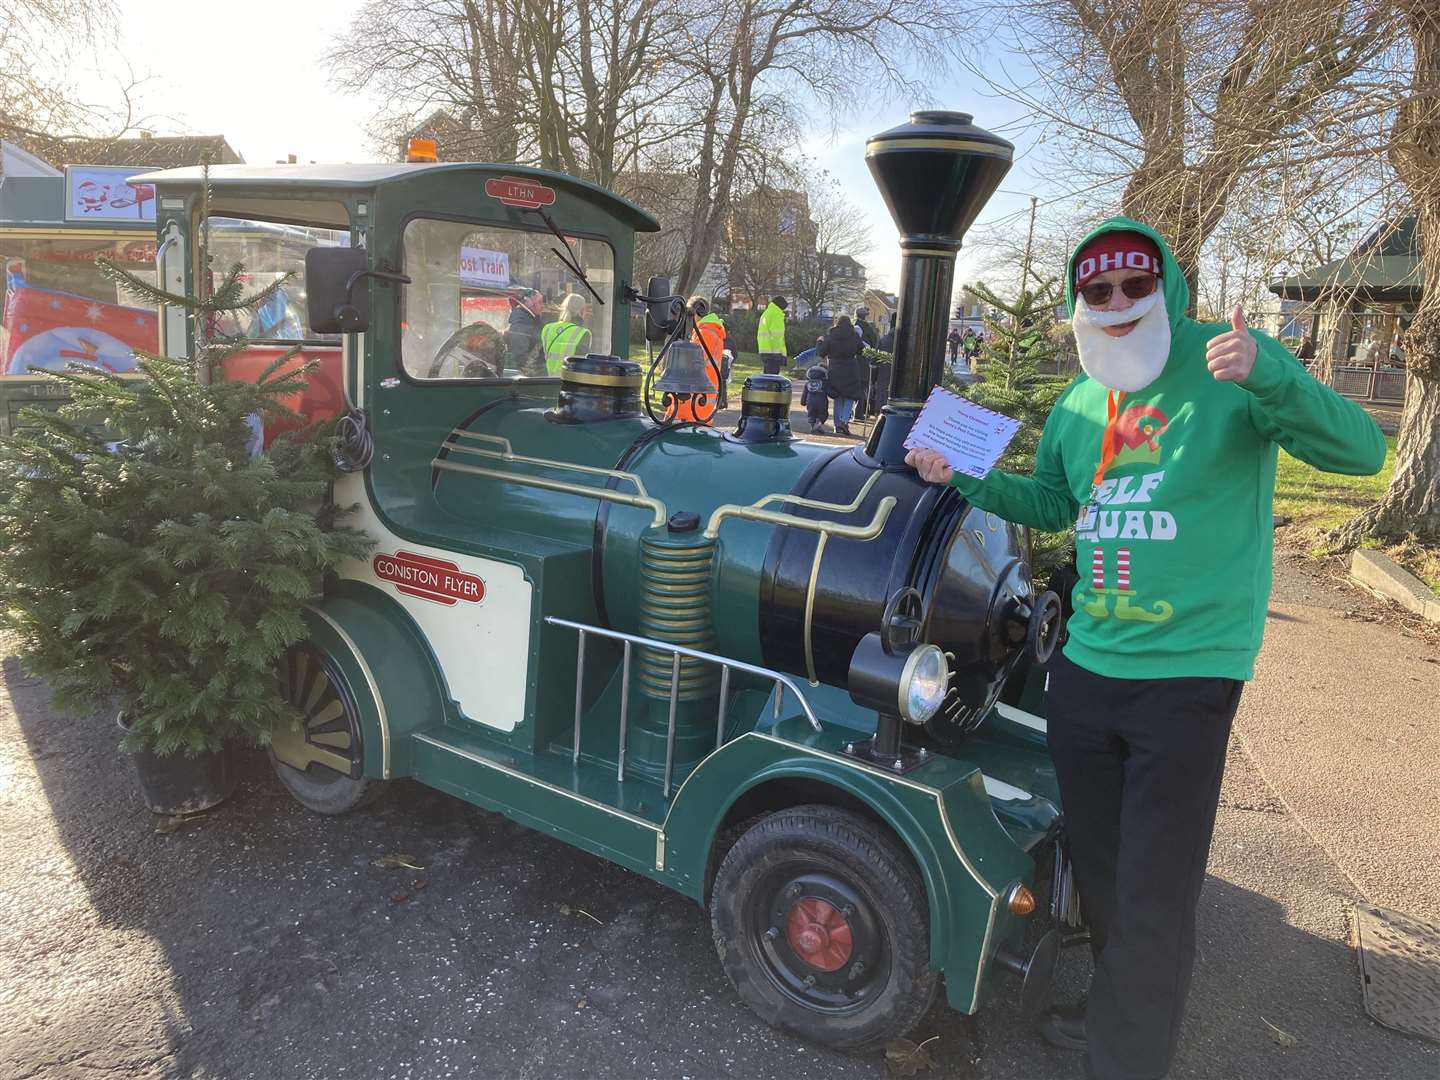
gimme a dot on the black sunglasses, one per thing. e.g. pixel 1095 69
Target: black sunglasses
pixel 1098 293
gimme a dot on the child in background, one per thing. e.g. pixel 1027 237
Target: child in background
pixel 815 397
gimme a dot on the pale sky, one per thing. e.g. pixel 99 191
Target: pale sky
pixel 258 81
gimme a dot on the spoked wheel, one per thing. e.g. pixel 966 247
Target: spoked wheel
pixel 320 763
pixel 822 925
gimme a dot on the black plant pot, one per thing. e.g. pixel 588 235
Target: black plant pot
pixel 178 784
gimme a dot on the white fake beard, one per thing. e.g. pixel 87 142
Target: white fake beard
pixel 1126 363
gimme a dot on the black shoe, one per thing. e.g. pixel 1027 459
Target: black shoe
pixel 1064 1026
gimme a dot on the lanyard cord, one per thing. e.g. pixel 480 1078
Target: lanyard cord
pixel 1108 440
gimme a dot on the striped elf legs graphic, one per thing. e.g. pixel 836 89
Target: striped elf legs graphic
pixel 1099 604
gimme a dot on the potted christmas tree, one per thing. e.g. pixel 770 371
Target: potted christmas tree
pixel 156 559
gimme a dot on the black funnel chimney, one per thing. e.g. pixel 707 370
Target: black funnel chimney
pixel 935 174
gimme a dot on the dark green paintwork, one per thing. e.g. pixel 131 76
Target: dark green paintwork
pixel 528 773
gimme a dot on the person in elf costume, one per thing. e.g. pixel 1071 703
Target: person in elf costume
pixel 1162 455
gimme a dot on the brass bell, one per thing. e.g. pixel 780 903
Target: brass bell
pixel 684 370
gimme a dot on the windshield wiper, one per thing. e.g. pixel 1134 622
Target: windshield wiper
pixel 569 260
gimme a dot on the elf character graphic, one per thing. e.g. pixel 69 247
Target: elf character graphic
pixel 1122 509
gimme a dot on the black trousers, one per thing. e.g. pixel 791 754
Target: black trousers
pixel 1139 763
pixel 773 362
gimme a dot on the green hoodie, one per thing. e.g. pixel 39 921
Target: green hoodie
pixel 1175 570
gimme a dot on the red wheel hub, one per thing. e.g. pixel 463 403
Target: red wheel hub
pixel 818 934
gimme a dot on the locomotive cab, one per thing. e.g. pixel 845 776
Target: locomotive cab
pixel 763 671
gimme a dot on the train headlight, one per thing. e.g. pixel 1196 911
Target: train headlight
pixel 894 673
pixel 923 682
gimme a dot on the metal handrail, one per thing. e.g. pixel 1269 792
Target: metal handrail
pixel 826 529
pixel 782 683
pixel 642 498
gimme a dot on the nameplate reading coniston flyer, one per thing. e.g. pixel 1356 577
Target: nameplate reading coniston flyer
pixel 970 437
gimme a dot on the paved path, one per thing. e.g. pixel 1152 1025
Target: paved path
pixel 262 941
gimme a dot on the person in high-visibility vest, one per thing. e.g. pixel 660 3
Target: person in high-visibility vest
pixel 770 336
pixel 710 336
pixel 566 336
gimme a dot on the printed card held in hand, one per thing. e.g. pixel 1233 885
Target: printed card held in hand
pixel 970 437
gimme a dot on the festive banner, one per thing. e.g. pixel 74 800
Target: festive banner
pixel 48 330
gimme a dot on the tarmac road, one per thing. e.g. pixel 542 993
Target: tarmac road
pixel 264 941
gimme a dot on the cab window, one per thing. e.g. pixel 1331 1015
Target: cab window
pixel 57 308
pixel 268 251
pixel 489 302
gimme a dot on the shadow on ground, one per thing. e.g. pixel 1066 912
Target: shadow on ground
pixel 261 940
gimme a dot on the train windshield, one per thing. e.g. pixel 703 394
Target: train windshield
pixel 489 302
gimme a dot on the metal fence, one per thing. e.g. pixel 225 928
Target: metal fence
pixel 1386 384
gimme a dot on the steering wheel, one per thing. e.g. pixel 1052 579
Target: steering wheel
pixel 472 364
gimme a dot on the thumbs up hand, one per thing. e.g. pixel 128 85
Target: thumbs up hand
pixel 1231 355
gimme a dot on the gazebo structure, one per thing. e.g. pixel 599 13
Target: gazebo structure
pixel 1365 301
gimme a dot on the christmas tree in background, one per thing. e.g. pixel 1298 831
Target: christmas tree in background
pixel 1018 344
pixel 156 558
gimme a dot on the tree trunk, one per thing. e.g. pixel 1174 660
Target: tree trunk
pixel 1412 502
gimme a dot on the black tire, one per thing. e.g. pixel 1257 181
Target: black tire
pixel 331 780
pixel 821 922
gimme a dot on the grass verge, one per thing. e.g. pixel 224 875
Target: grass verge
pixel 1315 502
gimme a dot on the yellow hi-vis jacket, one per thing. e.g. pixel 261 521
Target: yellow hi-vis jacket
pixel 560 340
pixel 770 335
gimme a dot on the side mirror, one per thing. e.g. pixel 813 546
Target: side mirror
pixel 336 306
pixel 662 313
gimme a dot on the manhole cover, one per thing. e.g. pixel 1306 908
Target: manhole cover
pixel 1399 970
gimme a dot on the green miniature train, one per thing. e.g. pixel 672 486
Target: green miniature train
pixel 778 676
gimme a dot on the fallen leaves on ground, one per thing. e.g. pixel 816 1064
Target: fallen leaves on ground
pixel 173 823
pixel 566 909
pixel 1284 1038
pixel 905 1058
pixel 396 861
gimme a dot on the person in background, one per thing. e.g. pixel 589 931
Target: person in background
pixel 709 334
pixel 841 348
pixel 1397 352
pixel 862 404
pixel 567 335
pixel 887 339
pixel 522 336
pixel 866 329
pixel 815 397
pixel 1162 454
pixel 770 336
pixel 954 342
pixel 1307 349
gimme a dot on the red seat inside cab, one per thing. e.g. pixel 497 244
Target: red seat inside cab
pixel 322 399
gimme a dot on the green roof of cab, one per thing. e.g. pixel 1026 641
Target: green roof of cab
pixel 378 174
